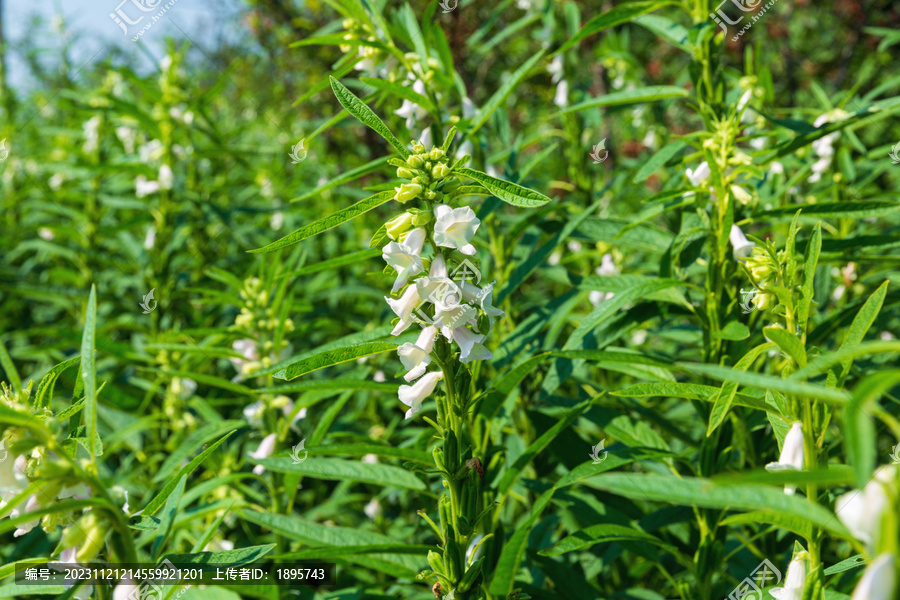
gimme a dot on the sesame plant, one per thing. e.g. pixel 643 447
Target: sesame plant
pixel 474 301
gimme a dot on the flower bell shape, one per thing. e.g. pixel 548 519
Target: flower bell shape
pixel 470 345
pixel 861 511
pixel 697 177
pixel 31 505
pixel 415 357
pixel 437 287
pixel 264 450
pixel 404 257
pixel 739 242
pixel 407 192
pixel 483 298
pixel 455 228
pixel 791 458
pixel 413 395
pixel 399 225
pixel 451 315
pixel 793 581
pixel 403 308
pixel 879 582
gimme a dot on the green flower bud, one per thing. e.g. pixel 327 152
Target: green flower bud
pixel 436 561
pixel 405 173
pixel 407 192
pixel 741 195
pixel 422 181
pixel 440 171
pixel 95 536
pixel 414 161
pixel 422 217
pixel 418 147
pixel 436 154
pixel 399 225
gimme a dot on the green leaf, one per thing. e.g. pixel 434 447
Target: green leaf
pixel 345 177
pixel 329 222
pixel 361 111
pixel 859 425
pixel 89 374
pixel 315 534
pixel 703 493
pixel 45 387
pixel 598 534
pixel 514 549
pixel 340 261
pixel 160 498
pixel 809 272
pixel 239 556
pixel 345 470
pixel 511 474
pixel 194 441
pixel 507 191
pixel 407 454
pixel 143 522
pixel 667 29
pixel 858 329
pixel 333 357
pixel 753 518
pixel 650 93
pixel 690 391
pixel 734 330
pixel 726 395
pixel 330 553
pixel 500 95
pixel 331 384
pixel 789 343
pixel 662 156
pixel 402 91
pixel 622 13
pixel 8 366
pixel 854 210
pixel 168 516
pixel 766 382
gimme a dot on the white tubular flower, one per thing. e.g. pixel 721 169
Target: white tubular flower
pixel 437 287
pixel 125 590
pixel 247 348
pixel 142 187
pixel 166 177
pixel 482 297
pixel 556 68
pixel 700 175
pixel 745 99
pixel 793 581
pixel 561 99
pixel 470 345
pixel 265 449
pixel 607 266
pixel 415 357
pixel 861 511
pixel 879 581
pixel 455 228
pixel 404 257
pixel 12 476
pixel 411 111
pixel 32 505
pixel 403 308
pixel 739 242
pixel 413 395
pixel 791 458
pixel 450 316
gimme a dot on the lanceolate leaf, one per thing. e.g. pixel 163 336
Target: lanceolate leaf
pixel 239 556
pixel 333 357
pixel 338 469
pixel 332 220
pixel 635 96
pixel 44 392
pixel 89 373
pixel 358 109
pixel 507 191
pixel 809 272
pixel 618 15
pixel 859 425
pixel 729 389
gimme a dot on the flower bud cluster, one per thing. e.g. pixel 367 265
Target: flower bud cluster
pixel 260 319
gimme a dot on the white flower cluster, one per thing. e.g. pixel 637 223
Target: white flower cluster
pixel 824 146
pixel 458 309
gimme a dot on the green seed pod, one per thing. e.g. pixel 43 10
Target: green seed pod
pixel 451 452
pixel 436 561
pixel 452 558
pixel 438 455
pixel 470 506
pixel 471 576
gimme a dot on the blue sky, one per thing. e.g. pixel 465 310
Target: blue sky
pixel 89 21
